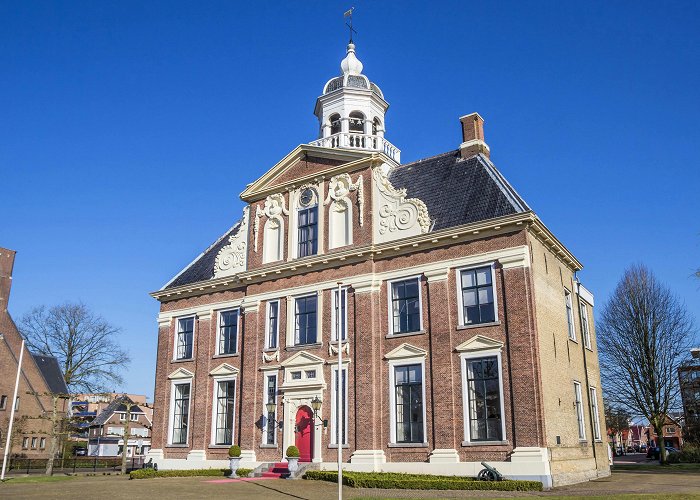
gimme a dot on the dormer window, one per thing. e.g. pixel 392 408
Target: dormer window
pixel 307 224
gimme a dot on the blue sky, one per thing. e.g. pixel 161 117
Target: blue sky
pixel 128 129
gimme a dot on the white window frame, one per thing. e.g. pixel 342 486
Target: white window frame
pixel 267 323
pixel 122 416
pixel 596 413
pixel 194 334
pixel 334 406
pixel 460 299
pixel 569 306
pixel 585 325
pixel 294 225
pixel 390 309
pixel 344 295
pixel 215 400
pixel 393 364
pixel 134 417
pixel 578 407
pixel 237 310
pixel 292 314
pixel 171 413
pixel 465 393
pixel 265 401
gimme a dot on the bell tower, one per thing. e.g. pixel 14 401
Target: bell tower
pixel 351 111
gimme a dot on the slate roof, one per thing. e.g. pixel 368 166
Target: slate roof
pixel 202 268
pixel 115 406
pixel 51 371
pixel 456 191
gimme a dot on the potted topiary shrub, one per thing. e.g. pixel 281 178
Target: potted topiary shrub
pixel 234 459
pixel 293 459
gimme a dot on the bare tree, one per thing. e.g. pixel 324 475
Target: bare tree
pixel 643 336
pixel 86 346
pixel 617 420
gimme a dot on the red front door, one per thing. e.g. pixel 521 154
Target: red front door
pixel 304 433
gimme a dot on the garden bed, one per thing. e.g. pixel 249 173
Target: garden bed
pixel 393 480
pixel 151 473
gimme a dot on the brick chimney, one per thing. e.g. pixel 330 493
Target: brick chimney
pixel 473 136
pixel 7 261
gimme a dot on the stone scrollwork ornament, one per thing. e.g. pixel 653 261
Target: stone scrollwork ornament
pixel 273 207
pixel 231 259
pixel 398 216
pixel 340 186
pixel 268 358
pixel 332 350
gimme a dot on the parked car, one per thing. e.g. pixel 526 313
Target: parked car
pixel 630 449
pixel 671 449
pixel 80 451
pixel 643 448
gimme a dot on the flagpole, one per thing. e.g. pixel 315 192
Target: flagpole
pixel 340 393
pixel 12 412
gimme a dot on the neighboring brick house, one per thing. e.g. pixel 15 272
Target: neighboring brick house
pixel 689 378
pixel 466 333
pixel 673 434
pixel 106 432
pixel 40 378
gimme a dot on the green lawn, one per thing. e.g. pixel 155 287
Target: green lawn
pixel 38 479
pixel 656 467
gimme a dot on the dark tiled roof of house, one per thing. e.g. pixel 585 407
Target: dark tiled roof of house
pixel 456 191
pixel 202 268
pixel 51 371
pixel 115 406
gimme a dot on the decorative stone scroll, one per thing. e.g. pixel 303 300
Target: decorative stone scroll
pixel 273 208
pixel 396 216
pixel 269 358
pixel 338 189
pixel 231 259
pixel 333 350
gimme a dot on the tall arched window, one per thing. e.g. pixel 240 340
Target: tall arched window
pixel 357 122
pixel 375 125
pixel 335 123
pixel 307 223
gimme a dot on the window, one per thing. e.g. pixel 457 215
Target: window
pixel 296 375
pixel 405 306
pixel 25 443
pixel 334 407
pixel 134 417
pixel 122 417
pixel 228 332
pixel 484 399
pixel 408 387
pixel 579 411
pixel 185 334
pixel 584 326
pixel 225 404
pixel 477 297
pixel 305 320
pixel 17 403
pixel 308 231
pixel 273 315
pixel 271 424
pixel 310 373
pixel 181 413
pixel 596 414
pixel 3 402
pixel 343 315
pixel 569 315
pixel 34 442
pixel 670 430
pixel 42 443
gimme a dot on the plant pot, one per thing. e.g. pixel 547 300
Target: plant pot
pixel 234 463
pixel 293 464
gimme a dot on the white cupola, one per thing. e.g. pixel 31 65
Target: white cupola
pixel 351 111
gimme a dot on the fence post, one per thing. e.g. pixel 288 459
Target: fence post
pixel 75 459
pixel 94 465
pixel 29 461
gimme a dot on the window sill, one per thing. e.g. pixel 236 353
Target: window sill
pixel 478 325
pixel 184 360
pixel 301 347
pixel 219 446
pixel 407 445
pixel 269 446
pixel 484 443
pixel 589 348
pixel 407 334
pixel 573 340
pixel 271 349
pixel 177 445
pixel 335 446
pixel 232 355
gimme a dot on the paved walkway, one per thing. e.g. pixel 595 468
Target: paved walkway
pixel 661 482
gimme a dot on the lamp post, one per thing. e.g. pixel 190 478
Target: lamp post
pixel 339 393
pixel 12 411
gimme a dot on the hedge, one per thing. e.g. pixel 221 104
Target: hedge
pixel 151 473
pixel 421 481
pixel 244 472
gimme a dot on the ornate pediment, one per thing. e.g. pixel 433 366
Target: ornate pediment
pixel 339 187
pixel 224 369
pixel 232 258
pixel 395 216
pixel 406 350
pixel 181 373
pixel 302 358
pixel 479 343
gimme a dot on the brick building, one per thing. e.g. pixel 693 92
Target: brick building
pixel 40 377
pixel 689 379
pixel 465 331
pixel 106 431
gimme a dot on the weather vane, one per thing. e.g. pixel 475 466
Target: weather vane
pixel 348 13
